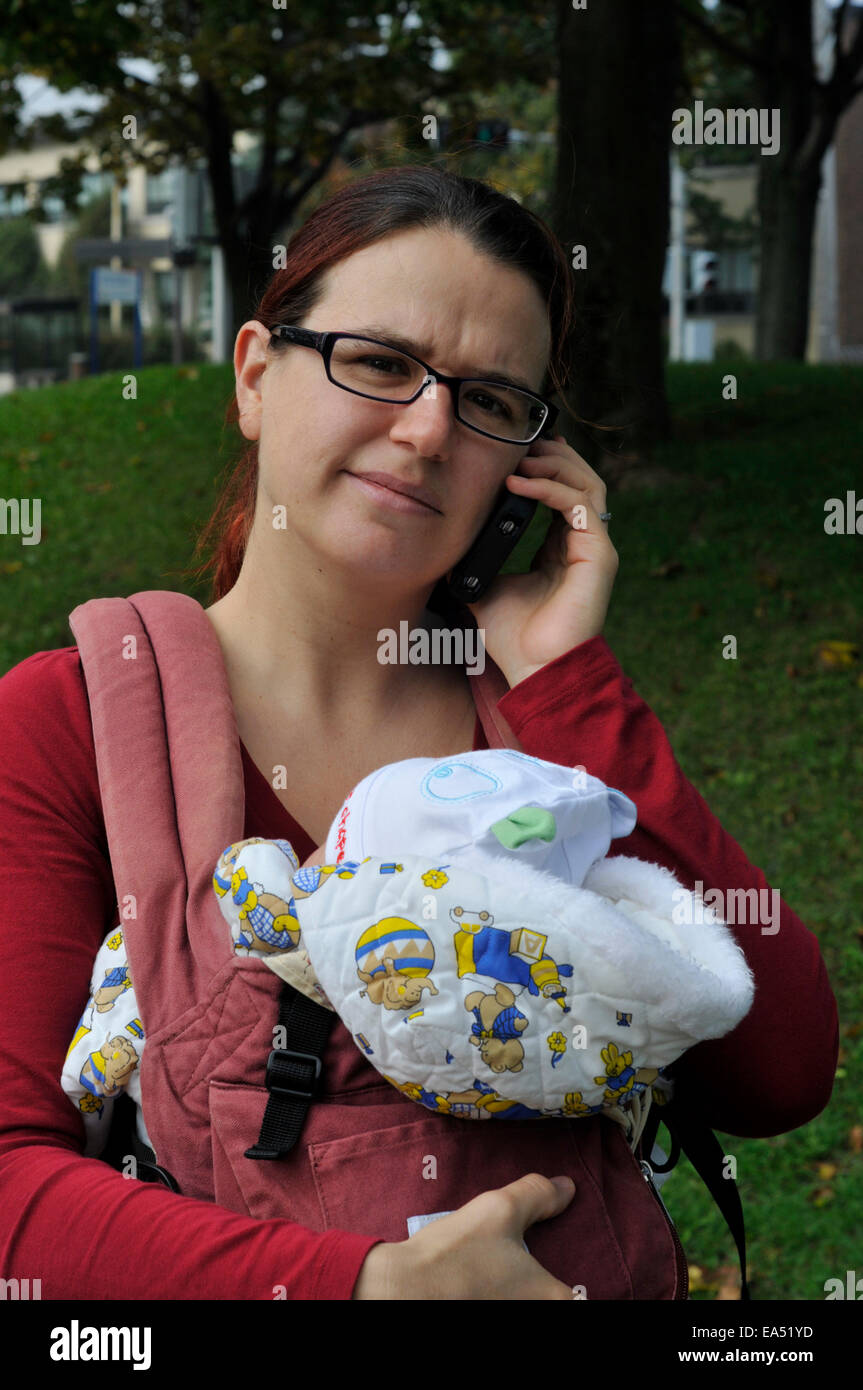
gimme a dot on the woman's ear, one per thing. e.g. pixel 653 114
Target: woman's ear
pixel 250 362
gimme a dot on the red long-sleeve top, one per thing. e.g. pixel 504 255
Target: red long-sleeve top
pixel 89 1233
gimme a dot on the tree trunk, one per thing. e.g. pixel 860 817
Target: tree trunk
pixel 788 182
pixel 787 203
pixel 619 63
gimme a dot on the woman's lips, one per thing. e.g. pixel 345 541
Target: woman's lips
pixel 398 501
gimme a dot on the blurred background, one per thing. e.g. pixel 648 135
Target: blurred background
pixel 154 156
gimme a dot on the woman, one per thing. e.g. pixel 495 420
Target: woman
pixel 344 515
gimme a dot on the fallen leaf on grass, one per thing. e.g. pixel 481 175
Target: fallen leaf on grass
pixel 767 577
pixel 667 570
pixel 855 1139
pixel 822 1195
pixel 832 656
pixel 826 1171
pixel 724 1281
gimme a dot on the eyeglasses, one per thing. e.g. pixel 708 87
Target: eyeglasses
pixel 372 368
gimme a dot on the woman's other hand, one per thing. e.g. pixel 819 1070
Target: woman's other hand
pixel 475 1252
pixel 530 619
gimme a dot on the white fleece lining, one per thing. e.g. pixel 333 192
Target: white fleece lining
pixel 704 986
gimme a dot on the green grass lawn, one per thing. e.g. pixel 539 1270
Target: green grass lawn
pixel 723 536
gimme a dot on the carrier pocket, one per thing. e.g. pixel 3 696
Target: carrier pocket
pixel 372 1167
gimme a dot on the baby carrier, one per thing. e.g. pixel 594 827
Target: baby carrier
pixel 306 1129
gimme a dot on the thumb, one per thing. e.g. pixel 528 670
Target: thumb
pixel 537 1198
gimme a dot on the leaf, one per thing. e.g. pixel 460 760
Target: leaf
pixel 767 577
pixel 855 1139
pixel 836 655
pixel 826 1171
pixel 667 570
pixel 822 1196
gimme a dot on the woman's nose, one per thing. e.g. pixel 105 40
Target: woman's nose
pixel 427 422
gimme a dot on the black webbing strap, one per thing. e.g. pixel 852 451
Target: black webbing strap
pixel 293 1072
pixel 700 1145
pixel 123 1144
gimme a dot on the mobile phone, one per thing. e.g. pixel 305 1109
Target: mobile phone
pixel 470 578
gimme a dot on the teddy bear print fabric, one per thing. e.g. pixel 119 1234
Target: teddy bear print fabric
pixel 104 1055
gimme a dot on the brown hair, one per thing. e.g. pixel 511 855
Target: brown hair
pixel 384 202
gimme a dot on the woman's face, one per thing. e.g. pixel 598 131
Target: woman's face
pixel 466 315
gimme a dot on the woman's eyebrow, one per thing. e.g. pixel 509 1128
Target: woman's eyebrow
pixel 376 330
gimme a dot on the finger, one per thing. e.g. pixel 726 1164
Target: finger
pixel 562 498
pixel 569 457
pixel 572 473
pixel 534 1198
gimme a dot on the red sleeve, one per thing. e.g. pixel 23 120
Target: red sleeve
pixel 69 1220
pixel 775 1070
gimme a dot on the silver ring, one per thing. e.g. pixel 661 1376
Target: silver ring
pixel 605 516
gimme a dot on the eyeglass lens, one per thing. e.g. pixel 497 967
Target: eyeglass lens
pixel 384 373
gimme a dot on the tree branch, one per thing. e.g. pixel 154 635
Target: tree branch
pixel 177 93
pixel 721 41
pixel 838 24
pixel 848 63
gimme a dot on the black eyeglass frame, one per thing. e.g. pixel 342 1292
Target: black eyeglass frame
pixel 325 342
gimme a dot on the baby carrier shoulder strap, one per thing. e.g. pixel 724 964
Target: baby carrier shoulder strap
pixel 171 782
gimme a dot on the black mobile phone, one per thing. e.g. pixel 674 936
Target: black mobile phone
pixel 475 571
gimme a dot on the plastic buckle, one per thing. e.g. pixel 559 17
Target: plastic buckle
pixel 276 1087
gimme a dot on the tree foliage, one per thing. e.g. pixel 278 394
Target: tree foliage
pixel 302 79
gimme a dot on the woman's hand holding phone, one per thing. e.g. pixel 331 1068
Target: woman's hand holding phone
pixel 530 619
